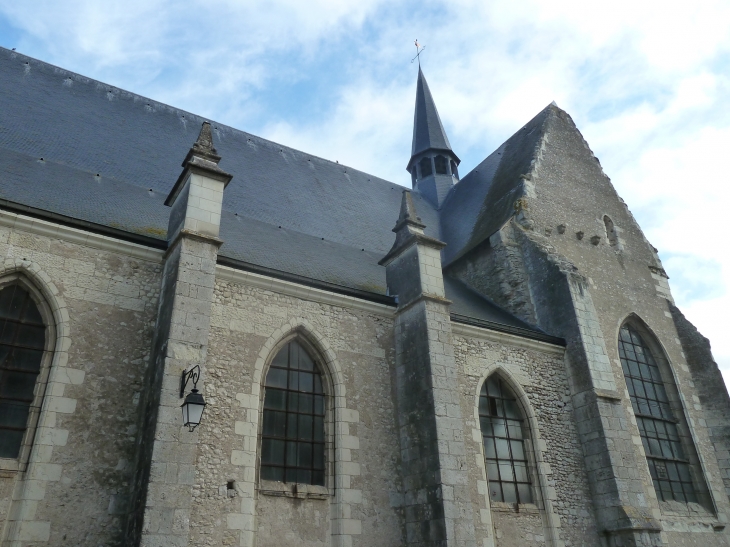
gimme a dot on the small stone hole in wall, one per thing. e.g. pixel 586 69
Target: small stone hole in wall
pixel 561 228
pixel 231 489
pixel 579 235
pixel 596 240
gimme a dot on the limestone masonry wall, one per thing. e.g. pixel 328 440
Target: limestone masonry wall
pixel 562 513
pixel 362 505
pixel 77 483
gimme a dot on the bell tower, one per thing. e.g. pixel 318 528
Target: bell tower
pixel 433 165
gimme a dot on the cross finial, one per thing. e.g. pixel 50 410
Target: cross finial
pixel 419 50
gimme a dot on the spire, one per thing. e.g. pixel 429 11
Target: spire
pixel 433 165
pixel 204 145
pixel 408 228
pixel 428 131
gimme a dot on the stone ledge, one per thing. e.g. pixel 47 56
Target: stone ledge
pixel 293 490
pixel 288 288
pixel 10 465
pixel 80 237
pixel 527 508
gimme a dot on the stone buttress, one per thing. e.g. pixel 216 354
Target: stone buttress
pixel 437 507
pixel 167 453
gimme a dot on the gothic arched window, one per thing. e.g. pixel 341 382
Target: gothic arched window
pixel 668 464
pixel 504 447
pixel 293 436
pixel 22 342
pixel 442 165
pixel 425 167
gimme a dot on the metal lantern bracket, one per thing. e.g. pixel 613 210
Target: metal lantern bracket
pixel 192 374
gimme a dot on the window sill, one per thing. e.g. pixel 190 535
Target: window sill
pixel 289 490
pixel 680 509
pixel 9 464
pixel 502 507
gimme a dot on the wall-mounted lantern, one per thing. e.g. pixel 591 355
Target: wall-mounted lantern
pixel 194 405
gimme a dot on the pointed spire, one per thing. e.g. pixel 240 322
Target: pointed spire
pixel 433 165
pixel 408 212
pixel 204 145
pixel 428 131
pixel 408 228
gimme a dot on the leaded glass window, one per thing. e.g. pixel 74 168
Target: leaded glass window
pixel 442 165
pixel 504 448
pixel 22 341
pixel 292 443
pixel 668 464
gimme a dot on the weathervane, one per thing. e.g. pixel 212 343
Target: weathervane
pixel 419 50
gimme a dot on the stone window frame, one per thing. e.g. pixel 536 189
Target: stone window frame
pixel 677 405
pixel 20 463
pixel 507 394
pixel 298 490
pixel 531 442
pixel 613 232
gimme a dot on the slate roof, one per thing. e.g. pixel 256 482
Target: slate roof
pixel 483 200
pixel 87 153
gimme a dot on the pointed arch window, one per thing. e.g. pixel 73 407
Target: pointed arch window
pixel 668 464
pixel 22 343
pixel 293 436
pixel 503 434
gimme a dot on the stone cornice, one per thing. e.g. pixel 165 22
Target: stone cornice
pixel 81 237
pixel 297 290
pixel 471 331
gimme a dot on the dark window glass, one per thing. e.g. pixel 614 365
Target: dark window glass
pixel 504 448
pixel 658 428
pixel 441 164
pixel 22 339
pixel 292 446
pixel 425 165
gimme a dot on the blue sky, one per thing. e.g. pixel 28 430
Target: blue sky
pixel 647 83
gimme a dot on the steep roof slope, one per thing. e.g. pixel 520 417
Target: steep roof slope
pixel 484 199
pixel 81 128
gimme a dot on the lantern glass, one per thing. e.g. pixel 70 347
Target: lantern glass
pixel 192 409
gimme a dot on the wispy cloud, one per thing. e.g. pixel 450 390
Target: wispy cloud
pixel 647 86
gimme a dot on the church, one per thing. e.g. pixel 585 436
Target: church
pixel 259 347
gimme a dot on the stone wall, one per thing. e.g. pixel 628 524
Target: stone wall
pixel 562 513
pixel 572 198
pixel 103 294
pixel 362 505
